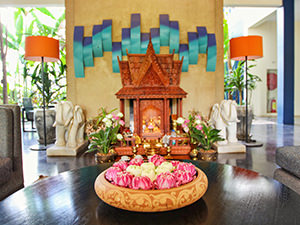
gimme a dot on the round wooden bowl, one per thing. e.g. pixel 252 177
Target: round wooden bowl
pixel 151 200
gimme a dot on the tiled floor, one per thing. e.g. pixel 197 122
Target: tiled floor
pixel 261 159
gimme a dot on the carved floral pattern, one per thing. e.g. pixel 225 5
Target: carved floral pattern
pixel 151 200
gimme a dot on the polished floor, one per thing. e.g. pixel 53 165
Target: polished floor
pixel 259 159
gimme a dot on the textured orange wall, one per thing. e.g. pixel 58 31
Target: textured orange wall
pixel 100 84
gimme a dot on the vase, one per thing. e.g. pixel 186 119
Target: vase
pixel 241 126
pixel 39 123
pixel 105 158
pixel 208 155
pixel 194 151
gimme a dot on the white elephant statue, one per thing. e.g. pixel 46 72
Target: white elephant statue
pixel 76 129
pixel 229 115
pixel 218 122
pixel 224 118
pixel 64 116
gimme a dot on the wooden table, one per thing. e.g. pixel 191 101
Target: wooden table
pixel 234 196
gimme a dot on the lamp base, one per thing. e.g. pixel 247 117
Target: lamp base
pixel 252 143
pixel 40 147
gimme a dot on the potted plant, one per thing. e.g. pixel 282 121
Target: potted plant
pixel 234 84
pixel 54 90
pixel 103 133
pixel 201 134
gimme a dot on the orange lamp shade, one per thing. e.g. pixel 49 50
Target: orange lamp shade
pixel 250 46
pixel 37 47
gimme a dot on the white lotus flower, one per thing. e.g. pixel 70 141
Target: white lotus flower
pixel 134 170
pixel 108 123
pixel 119 136
pixel 120 115
pixel 149 173
pixel 108 116
pixel 180 120
pixel 149 165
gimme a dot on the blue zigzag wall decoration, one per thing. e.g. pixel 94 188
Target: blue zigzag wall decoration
pixel 86 48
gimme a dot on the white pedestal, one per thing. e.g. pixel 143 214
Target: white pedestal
pixel 65 151
pixel 230 148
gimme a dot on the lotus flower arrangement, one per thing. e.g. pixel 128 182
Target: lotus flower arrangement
pixel 155 174
pixel 104 131
pixel 199 130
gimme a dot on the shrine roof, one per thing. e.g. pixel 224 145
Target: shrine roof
pixel 151 92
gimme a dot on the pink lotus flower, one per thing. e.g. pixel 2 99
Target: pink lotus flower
pixel 141 182
pixel 111 173
pixel 121 164
pixel 198 117
pixel 166 180
pixel 199 127
pixel 175 163
pixel 123 179
pixel 136 161
pixel 182 177
pixel 157 160
pixel 115 117
pixel 121 122
pixel 188 167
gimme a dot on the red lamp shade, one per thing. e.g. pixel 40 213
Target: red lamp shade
pixel 250 46
pixel 37 47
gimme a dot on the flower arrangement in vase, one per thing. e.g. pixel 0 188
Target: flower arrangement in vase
pixel 103 133
pixel 201 133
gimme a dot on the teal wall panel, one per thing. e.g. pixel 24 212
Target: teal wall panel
pixel 97 41
pixel 106 35
pixel 193 48
pixel 164 30
pixel 125 40
pixel 78 51
pixel 88 58
pixel 202 37
pixel 155 39
pixel 135 33
pixel 174 36
pixel 184 52
pixel 145 41
pixel 211 53
pixel 116 51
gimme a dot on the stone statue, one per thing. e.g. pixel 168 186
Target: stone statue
pixel 76 128
pixel 224 118
pixel 70 122
pixel 229 115
pixel 217 121
pixel 64 115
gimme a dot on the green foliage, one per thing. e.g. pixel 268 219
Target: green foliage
pixel 53 82
pixel 103 131
pixel 207 136
pixel 235 81
pixel 199 131
pixel 28 23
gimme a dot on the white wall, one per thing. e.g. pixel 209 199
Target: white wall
pixel 269 61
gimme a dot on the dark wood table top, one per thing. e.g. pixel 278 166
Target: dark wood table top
pixel 234 196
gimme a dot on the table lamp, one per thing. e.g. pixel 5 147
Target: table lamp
pixel 42 49
pixel 244 48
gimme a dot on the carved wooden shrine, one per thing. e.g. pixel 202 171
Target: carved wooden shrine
pixel 151 81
